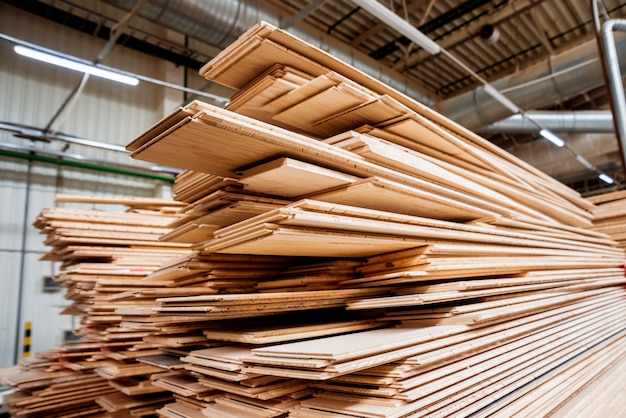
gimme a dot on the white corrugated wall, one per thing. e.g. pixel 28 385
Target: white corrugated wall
pixel 107 112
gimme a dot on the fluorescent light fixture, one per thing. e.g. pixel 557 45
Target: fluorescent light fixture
pixel 74 65
pixel 501 98
pixel 584 162
pixel 605 178
pixel 399 24
pixel 552 137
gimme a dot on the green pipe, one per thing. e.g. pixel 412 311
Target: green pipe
pixel 86 166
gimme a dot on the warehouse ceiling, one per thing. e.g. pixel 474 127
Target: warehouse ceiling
pixel 496 39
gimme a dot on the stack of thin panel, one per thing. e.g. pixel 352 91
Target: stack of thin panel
pixel 213 301
pixel 218 137
pixel 205 287
pixel 213 202
pixel 45 387
pixel 218 273
pixel 408 123
pixel 354 255
pixel 212 380
pixel 426 368
pixel 247 305
pixel 105 253
pixel 222 368
pixel 610 215
pixel 487 267
pixel 359 232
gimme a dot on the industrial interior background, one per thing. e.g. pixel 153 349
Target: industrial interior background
pixel 60 133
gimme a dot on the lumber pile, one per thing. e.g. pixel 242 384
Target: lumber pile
pixel 610 215
pixel 486 275
pixel 45 387
pixel 340 250
pixel 102 253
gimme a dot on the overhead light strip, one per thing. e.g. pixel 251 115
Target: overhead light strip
pixel 220 100
pixel 75 65
pixel 606 178
pixel 551 137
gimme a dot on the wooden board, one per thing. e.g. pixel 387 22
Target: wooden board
pixel 376 193
pixel 287 177
pixel 257 335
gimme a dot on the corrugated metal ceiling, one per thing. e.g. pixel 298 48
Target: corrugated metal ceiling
pixel 530 30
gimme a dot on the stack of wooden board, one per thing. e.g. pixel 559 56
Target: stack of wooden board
pixel 478 254
pixel 45 387
pixel 354 255
pixel 610 215
pixel 103 253
pixel 213 202
pixel 204 382
pixel 246 61
pixel 226 156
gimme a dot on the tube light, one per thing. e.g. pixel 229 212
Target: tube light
pixel 605 178
pixel 551 137
pixel 75 65
pixel 399 24
pixel 501 98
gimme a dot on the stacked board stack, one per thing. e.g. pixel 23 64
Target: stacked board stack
pixel 354 254
pixel 101 253
pixel 610 215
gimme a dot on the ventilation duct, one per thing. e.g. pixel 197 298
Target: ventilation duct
pixel 561 77
pixel 597 121
pixel 221 22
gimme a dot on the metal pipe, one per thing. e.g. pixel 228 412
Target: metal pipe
pixel 22 274
pixel 116 31
pixel 304 12
pixel 76 164
pixel 397 23
pixel 614 77
pixel 562 76
pixel 587 121
pixel 39 134
pixel 68 103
